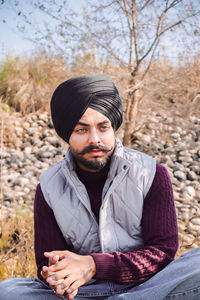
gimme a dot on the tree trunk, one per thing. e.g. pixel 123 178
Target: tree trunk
pixel 133 99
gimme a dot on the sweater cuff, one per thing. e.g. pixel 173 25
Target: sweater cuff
pixel 104 265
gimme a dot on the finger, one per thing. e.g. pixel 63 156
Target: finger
pixel 53 259
pixel 61 254
pixel 66 283
pixel 73 287
pixel 53 287
pixel 49 254
pixel 72 295
pixel 44 272
pixel 58 266
pixel 55 276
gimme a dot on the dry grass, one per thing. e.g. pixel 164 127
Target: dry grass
pixel 16 244
pixel 174 88
pixel 27 84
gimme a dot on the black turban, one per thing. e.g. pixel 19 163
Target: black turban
pixel 72 97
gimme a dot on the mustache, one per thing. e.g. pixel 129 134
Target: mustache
pixel 91 147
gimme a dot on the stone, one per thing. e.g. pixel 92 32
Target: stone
pixel 26 190
pixel 28 150
pixel 191 175
pixel 21 181
pixel 185 159
pixel 146 139
pixel 174 143
pixel 193 229
pixel 195 221
pixel 46 133
pixel 190 190
pixel 178 167
pixel 175 135
pixel 186 239
pixel 53 141
pixel 19 131
pixel 46 154
pixel 32 130
pixel 185 216
pixel 184 153
pixel 181 226
pixel 180 175
pixel 26 125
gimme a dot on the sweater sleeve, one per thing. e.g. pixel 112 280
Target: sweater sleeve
pixel 160 235
pixel 48 236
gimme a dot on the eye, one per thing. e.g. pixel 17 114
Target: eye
pixel 81 130
pixel 103 128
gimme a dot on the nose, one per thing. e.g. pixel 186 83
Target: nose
pixel 94 138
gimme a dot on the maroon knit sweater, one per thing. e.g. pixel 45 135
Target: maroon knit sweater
pixel 159 231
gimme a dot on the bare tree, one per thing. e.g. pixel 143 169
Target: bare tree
pixel 130 32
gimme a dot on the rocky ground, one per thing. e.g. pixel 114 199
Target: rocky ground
pixel 29 146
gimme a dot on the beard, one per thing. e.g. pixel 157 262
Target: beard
pixel 95 164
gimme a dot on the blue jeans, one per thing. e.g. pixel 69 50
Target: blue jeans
pixel 180 280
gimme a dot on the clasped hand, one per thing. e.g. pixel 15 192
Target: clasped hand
pixel 68 271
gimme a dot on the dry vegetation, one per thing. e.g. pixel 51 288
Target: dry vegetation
pixel 26 86
pixel 16 243
pixel 175 88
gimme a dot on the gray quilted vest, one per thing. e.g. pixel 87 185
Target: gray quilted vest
pixel 129 180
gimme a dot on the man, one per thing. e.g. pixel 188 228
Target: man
pixel 105 222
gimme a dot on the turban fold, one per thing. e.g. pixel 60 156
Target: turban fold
pixel 72 98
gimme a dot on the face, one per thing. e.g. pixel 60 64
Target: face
pixel 92 141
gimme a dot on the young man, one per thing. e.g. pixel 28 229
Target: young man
pixel 105 222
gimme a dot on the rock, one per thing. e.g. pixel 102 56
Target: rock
pixel 180 175
pixel 21 181
pixel 175 135
pixel 195 168
pixel 53 141
pixel 28 150
pixel 172 140
pixel 26 125
pixel 184 153
pixel 26 190
pixel 190 190
pixel 195 221
pixel 46 133
pixel 19 131
pixel 186 239
pixel 191 175
pixel 185 216
pixel 193 229
pixel 185 159
pixel 32 130
pixel 178 167
pixel 181 226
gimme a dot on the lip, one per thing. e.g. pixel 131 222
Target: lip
pixel 95 153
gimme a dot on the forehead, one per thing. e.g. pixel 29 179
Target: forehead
pixel 92 116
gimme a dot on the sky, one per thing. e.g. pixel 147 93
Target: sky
pixel 12 42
